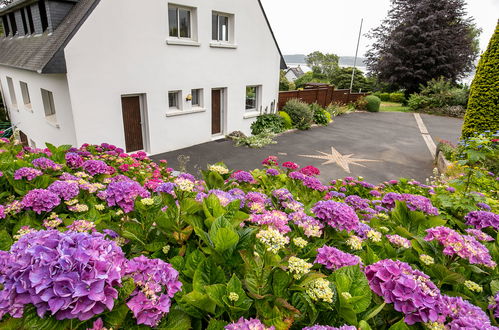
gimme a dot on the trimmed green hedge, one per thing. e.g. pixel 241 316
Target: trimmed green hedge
pixel 483 105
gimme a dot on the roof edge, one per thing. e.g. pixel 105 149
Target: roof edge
pixel 283 62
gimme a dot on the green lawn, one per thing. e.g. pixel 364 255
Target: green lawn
pixel 393 107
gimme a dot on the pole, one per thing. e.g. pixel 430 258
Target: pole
pixel 356 53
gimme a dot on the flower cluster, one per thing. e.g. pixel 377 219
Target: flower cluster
pixel 45 164
pixel 273 219
pixel 482 219
pixel 311 226
pixel 243 176
pixel 337 215
pixel 310 171
pixel 251 324
pixel 334 259
pixel 320 289
pixel 327 327
pixel 40 200
pixel 66 190
pixel 298 267
pixel 219 169
pixel 28 173
pixel 413 202
pixel 465 246
pixel 73 160
pixel 124 193
pixel 479 235
pixel 82 226
pixel 399 241
pixel 494 306
pixel 71 275
pixel 157 283
pixel 272 239
pixel 94 167
pixel 464 315
pixel 411 291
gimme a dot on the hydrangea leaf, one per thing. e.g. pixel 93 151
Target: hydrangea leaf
pixel 176 320
pixel 207 273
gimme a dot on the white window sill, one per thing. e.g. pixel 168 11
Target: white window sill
pixel 181 112
pixel 222 45
pixel 251 114
pixel 52 121
pixel 180 42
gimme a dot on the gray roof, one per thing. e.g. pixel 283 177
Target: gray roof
pixel 45 53
pixel 297 71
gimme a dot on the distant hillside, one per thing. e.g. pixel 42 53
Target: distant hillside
pixel 344 60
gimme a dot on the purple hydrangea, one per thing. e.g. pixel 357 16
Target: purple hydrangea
pixel 27 172
pixel 464 315
pixel 40 200
pixel 166 188
pixel 479 235
pixel 224 197
pixel 495 305
pixel 313 183
pixel 483 206
pixel 357 202
pixel 124 193
pixel 413 202
pixel 275 219
pixel 2 212
pixel 334 259
pixel 45 164
pixel 243 176
pixel 67 190
pixel 257 202
pixel 272 172
pixel 251 324
pixel 94 167
pixel 311 226
pixel 328 327
pixel 157 283
pixel 375 193
pixel 410 290
pixel 70 275
pixel 73 160
pixel 399 241
pixel 465 246
pixel 337 215
pixel 482 219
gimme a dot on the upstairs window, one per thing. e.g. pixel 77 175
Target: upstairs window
pixel 25 94
pixel 48 104
pixel 220 27
pixel 6 28
pixel 12 93
pixel 25 22
pixel 43 14
pixel 13 25
pixel 31 24
pixel 180 21
pixel 252 98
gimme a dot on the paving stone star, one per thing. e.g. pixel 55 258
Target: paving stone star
pixel 343 161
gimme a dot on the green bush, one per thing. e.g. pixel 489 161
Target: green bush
pixel 361 104
pixel 335 109
pixel 396 97
pixel 268 122
pixel 483 105
pixel 300 113
pixel 437 96
pixel 385 97
pixel 373 103
pixel 256 141
pixel 320 115
pixel 288 124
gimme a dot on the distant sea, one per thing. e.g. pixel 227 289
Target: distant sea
pixel 345 61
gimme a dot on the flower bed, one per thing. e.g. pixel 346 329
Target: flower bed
pixel 93 238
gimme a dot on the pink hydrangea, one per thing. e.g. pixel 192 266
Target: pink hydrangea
pixel 94 167
pixel 337 215
pixel 67 190
pixel 40 200
pixel 334 259
pixel 123 194
pixel 251 324
pixel 27 172
pixel 290 165
pixel 482 219
pixel 413 202
pixel 275 219
pixel 310 171
pixel 270 161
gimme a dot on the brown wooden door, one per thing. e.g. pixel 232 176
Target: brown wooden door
pixel 216 111
pixel 24 138
pixel 132 123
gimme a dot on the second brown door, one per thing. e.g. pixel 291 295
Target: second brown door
pixel 132 122
pixel 216 111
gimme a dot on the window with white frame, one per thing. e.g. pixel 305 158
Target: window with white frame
pixel 174 100
pixel 48 104
pixel 253 98
pixel 25 94
pixel 12 92
pixel 180 22
pixel 197 98
pixel 221 29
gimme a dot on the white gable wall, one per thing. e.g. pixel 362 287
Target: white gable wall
pixel 32 121
pixel 121 49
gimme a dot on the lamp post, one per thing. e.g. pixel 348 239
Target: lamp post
pixel 356 53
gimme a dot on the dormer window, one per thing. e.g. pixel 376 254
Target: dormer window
pixel 180 22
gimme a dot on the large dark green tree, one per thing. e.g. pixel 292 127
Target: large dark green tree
pixel 483 105
pixel 322 65
pixel 423 40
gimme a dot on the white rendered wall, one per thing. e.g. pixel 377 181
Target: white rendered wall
pixel 121 49
pixel 33 122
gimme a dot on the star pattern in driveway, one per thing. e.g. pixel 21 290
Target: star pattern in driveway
pixel 342 161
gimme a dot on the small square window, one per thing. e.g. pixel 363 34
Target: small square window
pixel 179 21
pixel 174 100
pixel 12 92
pixel 252 98
pixel 197 98
pixel 220 27
pixel 25 94
pixel 48 104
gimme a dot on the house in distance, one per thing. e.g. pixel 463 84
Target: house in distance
pixel 144 75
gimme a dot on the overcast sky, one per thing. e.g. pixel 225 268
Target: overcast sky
pixel 332 26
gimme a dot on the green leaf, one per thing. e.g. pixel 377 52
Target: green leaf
pixel 373 312
pixel 494 286
pixel 280 283
pixel 207 273
pixel 400 325
pixel 216 292
pixel 117 316
pixel 176 320
pixel 192 262
pixel 216 325
pixel 5 240
pixel 363 325
pixel 31 320
pixel 154 246
pixel 225 239
pixel 352 280
pixel 200 300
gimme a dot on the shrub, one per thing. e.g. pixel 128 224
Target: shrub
pixel 256 141
pixel 385 97
pixel 288 124
pixel 447 149
pixel 270 122
pixel 483 106
pixel 321 116
pixel 300 114
pixel 396 97
pixel 361 104
pixel 335 109
pixel 373 103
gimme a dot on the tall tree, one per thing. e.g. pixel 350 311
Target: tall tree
pixel 483 104
pixel 422 40
pixel 323 65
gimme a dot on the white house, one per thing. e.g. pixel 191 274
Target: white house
pixel 153 75
pixel 293 73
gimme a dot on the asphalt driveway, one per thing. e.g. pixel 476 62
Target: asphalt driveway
pixel 377 146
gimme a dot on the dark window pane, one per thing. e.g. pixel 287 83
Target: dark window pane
pixel 25 23
pixel 251 98
pixel 214 27
pixel 223 29
pixel 184 17
pixel 30 20
pixel 43 14
pixel 173 22
pixel 173 99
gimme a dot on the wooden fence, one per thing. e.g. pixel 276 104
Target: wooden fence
pixel 323 95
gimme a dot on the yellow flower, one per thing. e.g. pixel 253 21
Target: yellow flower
pixel 272 239
pixel 99 207
pixel 320 290
pixel 300 242
pixel 426 259
pixel 298 266
pixel 219 169
pixel 473 286
pixel 233 296
pixel 354 242
pixel 147 201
